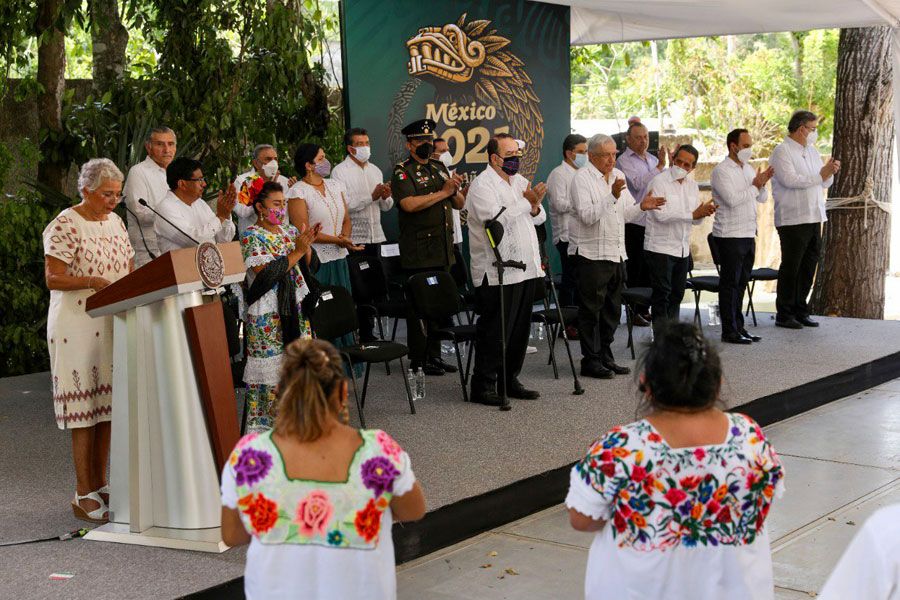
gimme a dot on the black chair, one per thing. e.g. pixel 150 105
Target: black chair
pixel 334 317
pixel 369 285
pixel 461 275
pixel 631 298
pixel 761 274
pixel 435 298
pixel 550 318
pixel 698 285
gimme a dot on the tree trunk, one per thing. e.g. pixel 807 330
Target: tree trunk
pixel 109 39
pixel 51 72
pixel 855 257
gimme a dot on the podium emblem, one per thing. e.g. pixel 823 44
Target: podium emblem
pixel 210 264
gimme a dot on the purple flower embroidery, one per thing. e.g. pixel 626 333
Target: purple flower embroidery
pixel 378 475
pixel 252 466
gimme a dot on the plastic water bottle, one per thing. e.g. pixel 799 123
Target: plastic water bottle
pixel 420 385
pixel 713 308
pixel 411 380
pixel 537 331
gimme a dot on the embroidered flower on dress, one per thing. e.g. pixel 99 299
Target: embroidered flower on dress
pixel 335 537
pixel 262 511
pixel 313 513
pixel 378 475
pixel 389 446
pixel 252 466
pixel 368 521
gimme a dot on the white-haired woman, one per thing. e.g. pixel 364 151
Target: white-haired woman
pixel 86 248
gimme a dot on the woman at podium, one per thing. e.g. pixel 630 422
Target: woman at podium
pixel 86 248
pixel 272 249
pixel 314 497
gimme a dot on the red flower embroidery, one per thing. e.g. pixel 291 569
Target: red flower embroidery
pixel 606 456
pixel 608 469
pixel 724 516
pixel 690 483
pixel 368 521
pixel 262 511
pixel 713 507
pixel 699 454
pixel 654 437
pixel 619 523
pixel 675 496
pixel 638 473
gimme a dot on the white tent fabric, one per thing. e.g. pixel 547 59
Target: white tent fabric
pixel 599 21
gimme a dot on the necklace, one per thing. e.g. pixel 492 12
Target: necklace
pixel 326 200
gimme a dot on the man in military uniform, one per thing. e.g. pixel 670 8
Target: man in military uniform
pixel 426 194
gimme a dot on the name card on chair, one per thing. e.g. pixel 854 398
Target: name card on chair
pixel 390 250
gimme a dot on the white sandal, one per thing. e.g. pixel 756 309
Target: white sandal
pixel 98 515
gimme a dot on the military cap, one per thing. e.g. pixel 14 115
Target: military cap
pixel 420 128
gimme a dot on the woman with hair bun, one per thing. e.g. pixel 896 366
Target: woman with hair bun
pixel 273 251
pixel 314 497
pixel 679 499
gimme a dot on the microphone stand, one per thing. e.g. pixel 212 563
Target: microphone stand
pixel 494 231
pixel 144 203
pixel 562 323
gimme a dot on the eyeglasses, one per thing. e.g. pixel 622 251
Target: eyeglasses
pixel 203 179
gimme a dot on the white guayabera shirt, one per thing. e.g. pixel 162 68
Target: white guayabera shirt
pixel 597 228
pixel 733 191
pixel 146 180
pixel 559 200
pixel 797 186
pixel 365 215
pixel 669 228
pixel 197 220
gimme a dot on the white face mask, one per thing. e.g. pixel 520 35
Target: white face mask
pixel 446 158
pixel 580 160
pixel 745 155
pixel 362 153
pixel 270 169
pixel 812 137
pixel 678 172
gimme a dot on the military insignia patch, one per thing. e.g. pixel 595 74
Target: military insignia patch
pixel 401 175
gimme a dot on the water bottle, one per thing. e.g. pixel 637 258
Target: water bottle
pixel 537 331
pixel 713 309
pixel 411 380
pixel 447 348
pixel 420 385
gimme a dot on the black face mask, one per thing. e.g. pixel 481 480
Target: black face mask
pixel 510 165
pixel 424 151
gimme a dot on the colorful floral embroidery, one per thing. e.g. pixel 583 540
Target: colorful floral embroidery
pixel 313 513
pixel 378 475
pixel 663 497
pixel 252 466
pixel 348 514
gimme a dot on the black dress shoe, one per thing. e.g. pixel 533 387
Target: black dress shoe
pixel 640 321
pixel 520 392
pixel 617 369
pixel 752 338
pixel 440 364
pixel 428 368
pixel 596 371
pixel 486 397
pixel 807 322
pixel 736 338
pixel 789 323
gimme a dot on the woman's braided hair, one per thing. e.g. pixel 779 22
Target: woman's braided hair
pixel 310 372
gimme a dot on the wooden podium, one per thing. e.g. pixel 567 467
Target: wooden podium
pixel 174 417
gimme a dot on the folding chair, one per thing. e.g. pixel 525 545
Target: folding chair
pixel 435 298
pixel 460 272
pixel 632 297
pixel 761 274
pixel 550 318
pixel 698 285
pixel 334 317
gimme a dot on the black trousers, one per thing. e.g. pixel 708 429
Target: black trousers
pixel 518 299
pixel 735 264
pixel 600 284
pixel 668 275
pixel 801 246
pixel 366 320
pixel 569 285
pixel 636 271
pixel 420 347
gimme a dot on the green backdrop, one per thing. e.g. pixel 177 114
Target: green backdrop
pixel 474 67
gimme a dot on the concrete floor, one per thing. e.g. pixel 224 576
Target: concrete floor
pixel 842 463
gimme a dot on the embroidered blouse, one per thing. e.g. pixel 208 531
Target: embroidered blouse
pixel 679 518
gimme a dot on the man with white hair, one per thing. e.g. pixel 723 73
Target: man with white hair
pixel 147 180
pixel 602 204
pixel 265 166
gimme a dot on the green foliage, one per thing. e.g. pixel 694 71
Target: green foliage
pixel 712 84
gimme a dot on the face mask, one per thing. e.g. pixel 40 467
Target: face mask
pixel 446 158
pixel 362 153
pixel 270 169
pixel 424 151
pixel 275 216
pixel 323 169
pixel 510 165
pixel 812 137
pixel 745 155
pixel 678 172
pixel 580 160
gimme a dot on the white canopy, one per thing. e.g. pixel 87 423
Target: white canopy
pixel 599 21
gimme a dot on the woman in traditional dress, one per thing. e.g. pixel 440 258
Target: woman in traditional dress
pixel 273 252
pixel 86 248
pixel 314 497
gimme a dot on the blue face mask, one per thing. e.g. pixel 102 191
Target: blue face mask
pixel 580 160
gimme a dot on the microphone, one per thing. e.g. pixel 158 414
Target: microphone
pixel 143 203
pixel 140 228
